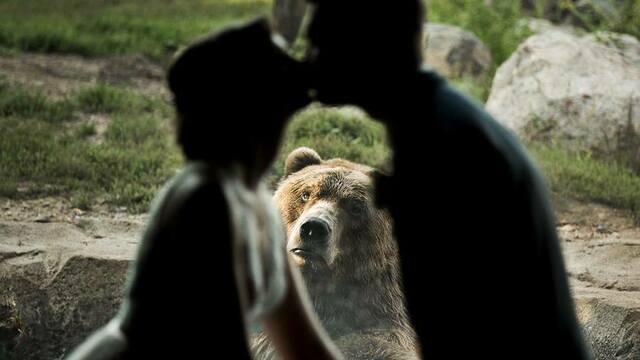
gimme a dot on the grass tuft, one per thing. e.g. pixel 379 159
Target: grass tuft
pixel 135 158
pixel 103 99
pixel 582 176
pixel 15 101
pixel 343 133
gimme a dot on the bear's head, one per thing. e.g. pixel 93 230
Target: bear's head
pixel 341 241
pixel 332 223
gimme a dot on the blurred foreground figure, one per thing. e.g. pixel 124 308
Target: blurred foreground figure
pixel 214 247
pixel 482 267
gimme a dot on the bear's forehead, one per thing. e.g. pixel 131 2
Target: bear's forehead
pixel 331 180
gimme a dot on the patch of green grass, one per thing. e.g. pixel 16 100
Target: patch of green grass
pixel 107 99
pixel 86 130
pixel 8 188
pixel 82 200
pixel 103 27
pixel 345 133
pixel 104 99
pixel 617 16
pixel 474 88
pixel 134 159
pixel 582 176
pixel 629 22
pixel 15 101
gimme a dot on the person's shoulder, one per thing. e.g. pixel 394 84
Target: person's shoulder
pixel 464 123
pixel 458 113
pixel 193 187
pixel 194 177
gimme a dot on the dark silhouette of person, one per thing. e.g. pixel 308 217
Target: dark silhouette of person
pixel 212 255
pixel 481 261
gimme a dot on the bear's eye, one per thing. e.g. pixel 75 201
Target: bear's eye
pixel 305 196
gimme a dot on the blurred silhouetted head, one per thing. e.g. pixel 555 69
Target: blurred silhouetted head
pixel 363 41
pixel 233 92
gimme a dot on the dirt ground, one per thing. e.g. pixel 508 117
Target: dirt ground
pixel 601 246
pixel 60 75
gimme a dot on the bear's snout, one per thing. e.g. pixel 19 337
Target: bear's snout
pixel 315 232
pixel 311 238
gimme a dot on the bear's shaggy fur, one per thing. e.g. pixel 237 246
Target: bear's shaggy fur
pixel 352 268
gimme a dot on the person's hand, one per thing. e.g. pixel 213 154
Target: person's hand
pixel 365 52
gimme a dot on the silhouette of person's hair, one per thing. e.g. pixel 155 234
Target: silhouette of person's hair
pixel 234 92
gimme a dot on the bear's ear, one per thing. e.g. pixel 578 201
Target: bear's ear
pixel 299 159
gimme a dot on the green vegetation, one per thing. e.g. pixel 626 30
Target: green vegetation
pixel 582 176
pixel 107 99
pixel 344 133
pixel 102 27
pixel 18 102
pixel 55 154
pixel 501 27
pixel 621 16
pixel 50 147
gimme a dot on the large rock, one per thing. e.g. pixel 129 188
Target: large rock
pixel 601 247
pixel 606 284
pixel 610 322
pixel 583 92
pixel 455 52
pixel 59 282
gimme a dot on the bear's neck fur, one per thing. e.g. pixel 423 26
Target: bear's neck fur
pixel 361 301
pixel 366 293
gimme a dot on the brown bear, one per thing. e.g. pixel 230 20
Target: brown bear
pixel 344 247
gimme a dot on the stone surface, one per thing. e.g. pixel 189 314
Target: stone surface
pixel 583 92
pixel 455 52
pixel 606 285
pixel 60 282
pixel 611 322
pixel 604 269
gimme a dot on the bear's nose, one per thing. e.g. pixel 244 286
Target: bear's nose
pixel 315 231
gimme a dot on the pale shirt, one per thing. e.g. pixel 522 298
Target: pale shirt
pixel 259 248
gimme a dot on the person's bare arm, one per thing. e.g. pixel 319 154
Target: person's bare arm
pixel 293 327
